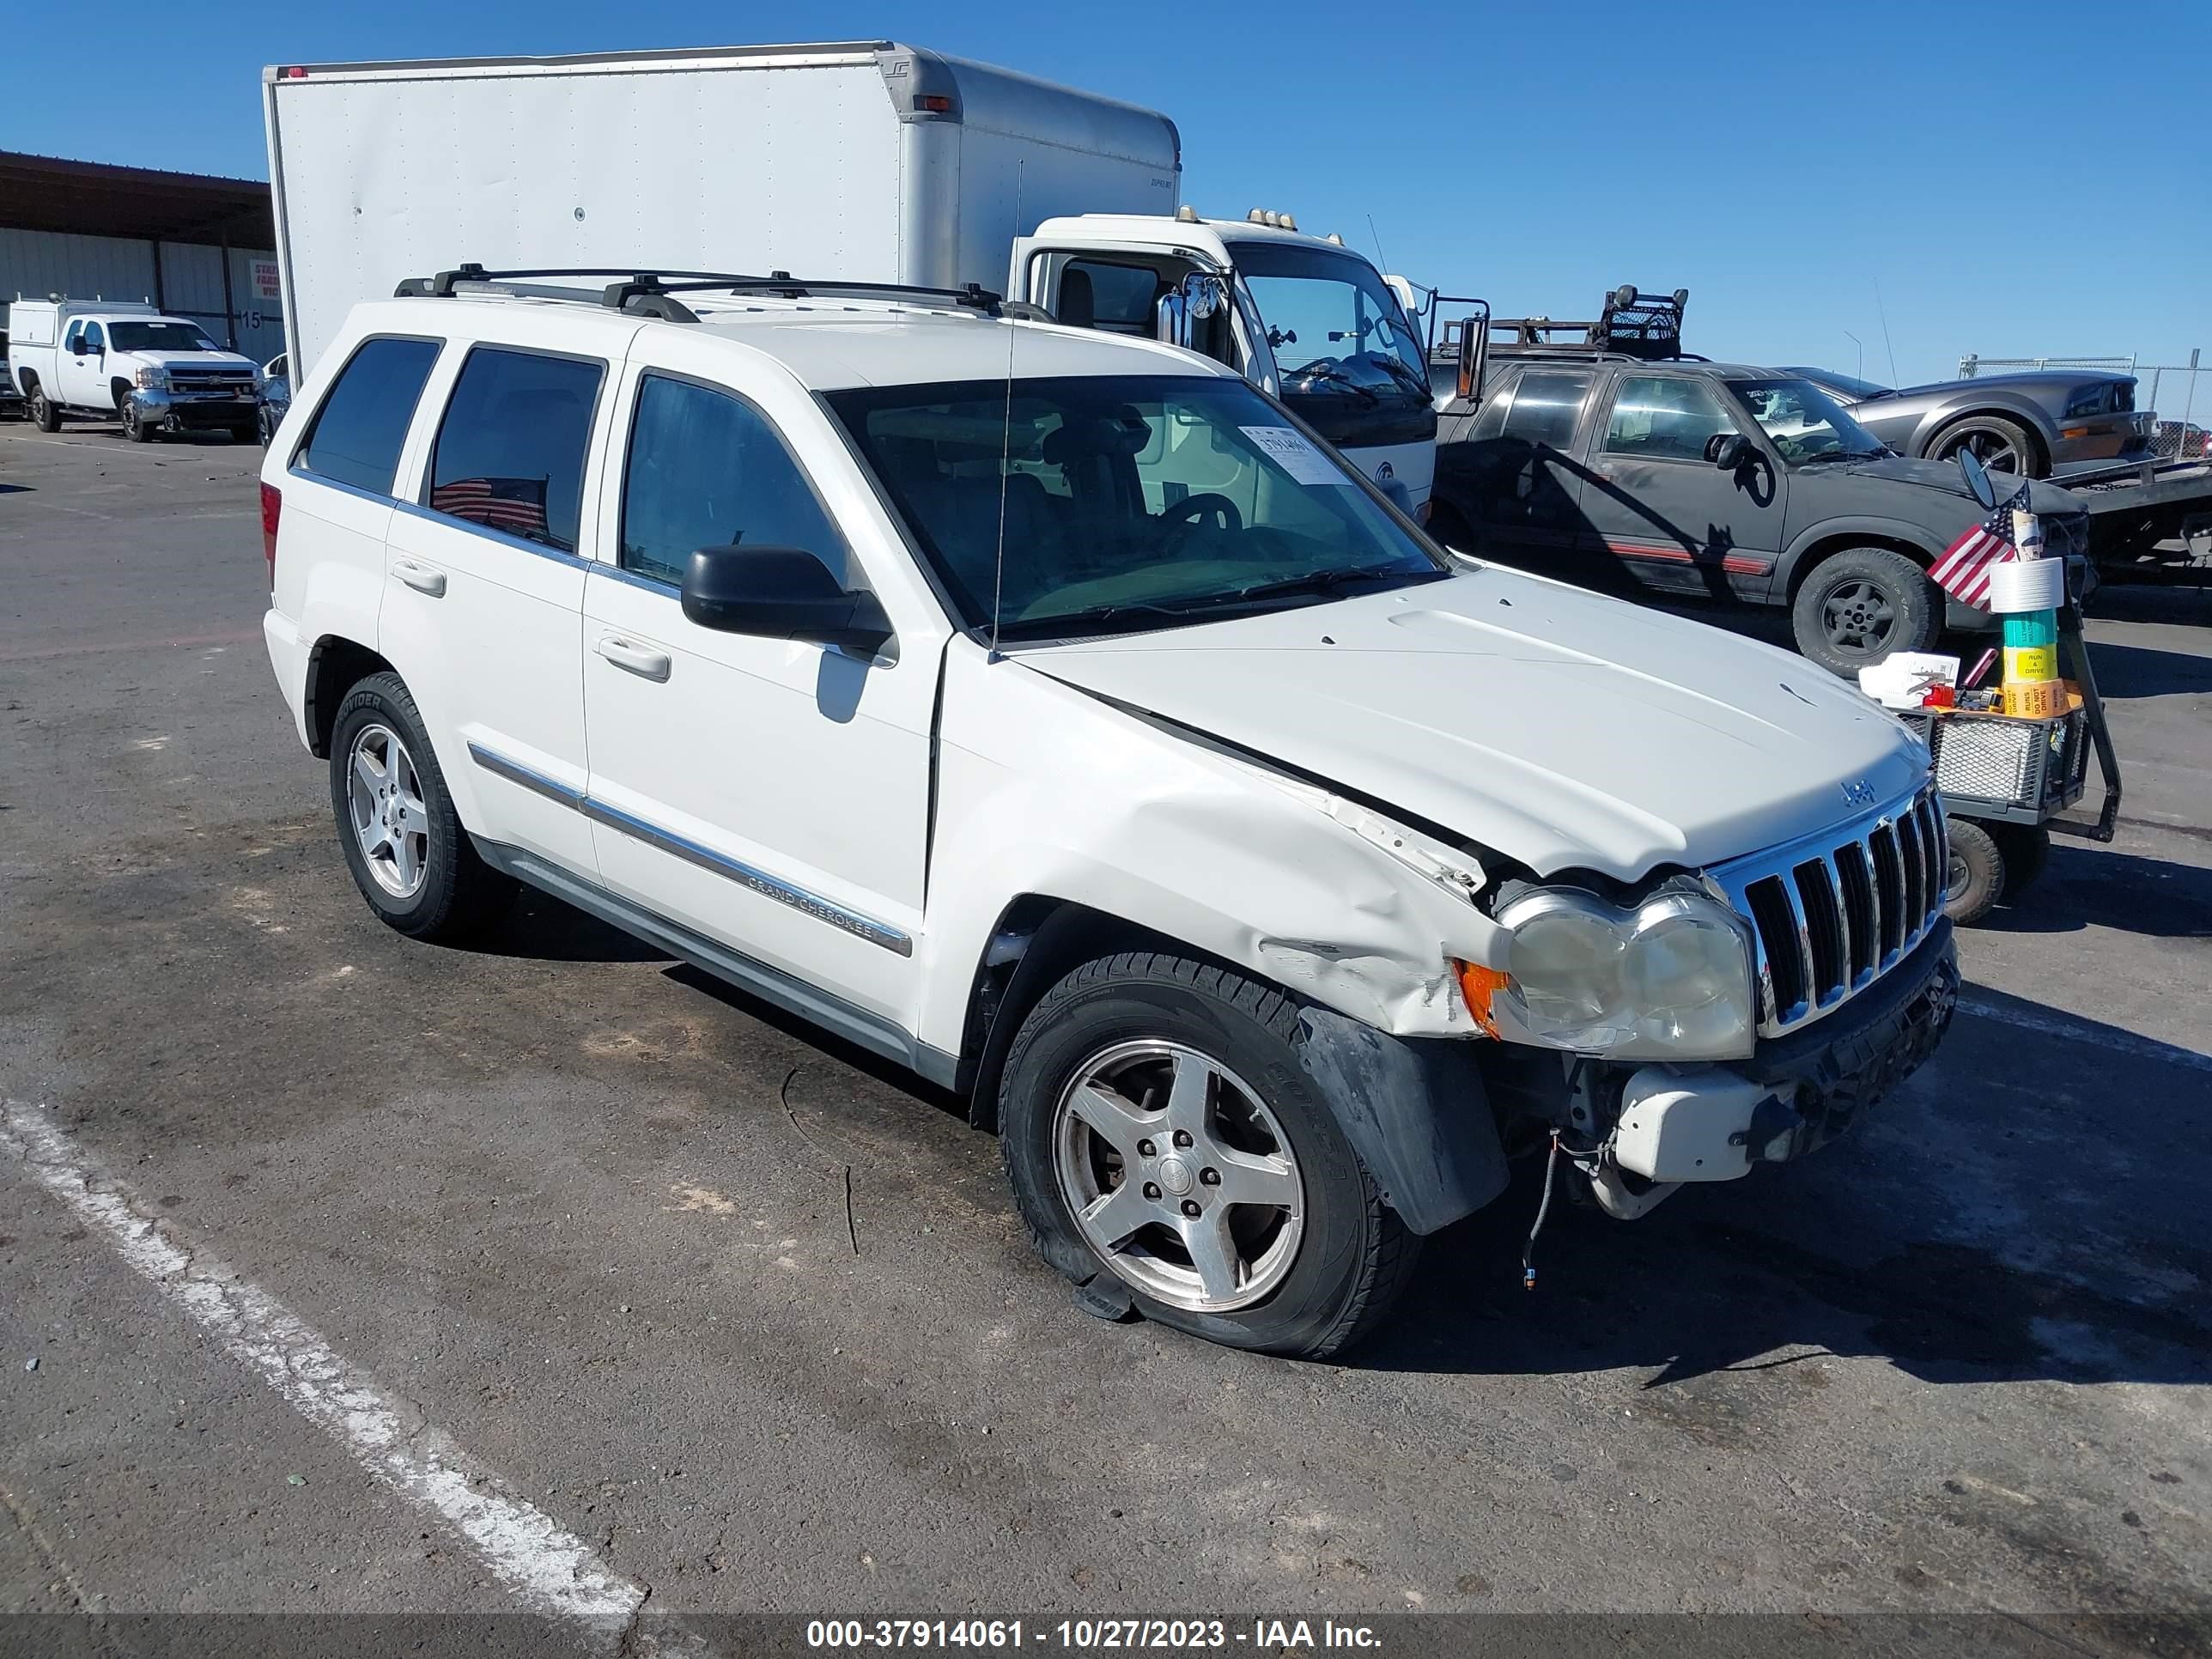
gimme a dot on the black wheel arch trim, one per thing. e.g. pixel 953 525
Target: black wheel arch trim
pixel 1857 529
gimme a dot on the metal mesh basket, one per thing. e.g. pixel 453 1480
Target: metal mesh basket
pixel 2028 766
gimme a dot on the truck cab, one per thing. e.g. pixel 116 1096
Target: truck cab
pixel 111 360
pixel 1302 316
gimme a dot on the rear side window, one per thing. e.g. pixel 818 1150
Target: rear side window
pixel 510 452
pixel 706 469
pixel 1546 408
pixel 362 423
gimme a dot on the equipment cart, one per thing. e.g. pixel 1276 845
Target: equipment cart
pixel 2005 780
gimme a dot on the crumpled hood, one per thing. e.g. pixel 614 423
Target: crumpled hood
pixel 1554 725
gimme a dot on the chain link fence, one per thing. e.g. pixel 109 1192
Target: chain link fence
pixel 2169 388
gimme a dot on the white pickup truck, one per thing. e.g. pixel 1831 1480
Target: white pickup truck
pixel 110 361
pixel 1051 712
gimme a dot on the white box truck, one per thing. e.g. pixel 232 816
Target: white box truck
pixel 870 161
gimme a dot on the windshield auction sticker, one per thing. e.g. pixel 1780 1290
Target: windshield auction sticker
pixel 1293 452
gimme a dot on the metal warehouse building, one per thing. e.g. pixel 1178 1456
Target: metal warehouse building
pixel 195 246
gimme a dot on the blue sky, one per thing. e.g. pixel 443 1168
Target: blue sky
pixel 2033 181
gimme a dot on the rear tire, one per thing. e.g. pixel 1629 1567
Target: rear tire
pixel 44 413
pixel 1859 607
pixel 2000 445
pixel 1250 1220
pixel 405 845
pixel 1975 878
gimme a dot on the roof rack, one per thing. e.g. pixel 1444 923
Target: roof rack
pixel 649 292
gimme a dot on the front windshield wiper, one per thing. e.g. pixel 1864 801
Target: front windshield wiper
pixel 1330 374
pixel 1844 455
pixel 1317 581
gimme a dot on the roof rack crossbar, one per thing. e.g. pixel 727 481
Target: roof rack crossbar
pixel 647 292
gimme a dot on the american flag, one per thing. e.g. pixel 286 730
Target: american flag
pixel 1963 572
pixel 514 505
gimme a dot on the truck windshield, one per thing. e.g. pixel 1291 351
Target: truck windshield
pixel 1336 329
pixel 164 334
pixel 1803 422
pixel 1127 503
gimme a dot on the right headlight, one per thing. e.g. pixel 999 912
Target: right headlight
pixel 1669 980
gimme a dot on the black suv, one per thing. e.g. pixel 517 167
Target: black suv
pixel 1616 460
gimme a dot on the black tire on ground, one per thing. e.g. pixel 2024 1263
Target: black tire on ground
pixel 1976 877
pixel 135 426
pixel 1354 1256
pixel 1854 608
pixel 247 432
pixel 458 892
pixel 2000 444
pixel 2026 848
pixel 44 412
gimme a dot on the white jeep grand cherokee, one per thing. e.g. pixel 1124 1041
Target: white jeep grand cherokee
pixel 1048 711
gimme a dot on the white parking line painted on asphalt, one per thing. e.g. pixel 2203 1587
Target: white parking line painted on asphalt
pixel 553 1571
pixel 2080 1030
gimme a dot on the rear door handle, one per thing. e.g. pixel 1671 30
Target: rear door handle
pixel 628 655
pixel 420 577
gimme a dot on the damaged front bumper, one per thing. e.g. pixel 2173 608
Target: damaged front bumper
pixel 1676 1124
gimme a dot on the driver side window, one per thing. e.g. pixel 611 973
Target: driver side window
pixel 1663 417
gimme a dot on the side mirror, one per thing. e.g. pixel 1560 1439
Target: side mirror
pixel 1977 478
pixel 781 594
pixel 1474 355
pixel 1197 299
pixel 1727 450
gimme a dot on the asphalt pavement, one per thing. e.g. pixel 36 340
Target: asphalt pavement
pixel 665 1296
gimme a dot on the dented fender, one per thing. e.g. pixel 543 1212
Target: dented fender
pixel 1046 789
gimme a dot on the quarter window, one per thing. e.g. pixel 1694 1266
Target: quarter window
pixel 1663 417
pixel 362 423
pixel 1546 408
pixel 706 469
pixel 510 450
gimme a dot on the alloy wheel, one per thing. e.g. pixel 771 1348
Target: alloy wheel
pixel 1993 450
pixel 391 823
pixel 1179 1176
pixel 1859 617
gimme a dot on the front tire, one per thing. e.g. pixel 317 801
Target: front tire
pixel 1859 607
pixel 44 413
pixel 404 843
pixel 2002 446
pixel 135 425
pixel 1168 1151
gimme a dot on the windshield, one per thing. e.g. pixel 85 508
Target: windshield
pixel 1334 328
pixel 1803 422
pixel 164 336
pixel 1128 502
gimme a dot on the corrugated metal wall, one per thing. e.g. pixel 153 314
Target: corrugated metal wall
pixel 39 262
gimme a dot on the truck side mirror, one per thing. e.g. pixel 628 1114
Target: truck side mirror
pixel 1199 298
pixel 781 594
pixel 1474 357
pixel 1726 451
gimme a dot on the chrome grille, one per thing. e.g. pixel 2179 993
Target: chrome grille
pixel 1831 914
pixel 185 378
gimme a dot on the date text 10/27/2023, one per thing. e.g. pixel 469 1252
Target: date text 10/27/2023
pixel 1092 1635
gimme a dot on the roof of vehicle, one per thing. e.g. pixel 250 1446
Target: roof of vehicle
pixel 833 342
pixel 1571 359
pixel 1211 237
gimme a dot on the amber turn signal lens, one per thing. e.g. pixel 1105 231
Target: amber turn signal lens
pixel 1478 984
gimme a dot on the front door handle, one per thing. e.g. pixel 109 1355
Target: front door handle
pixel 420 577
pixel 642 660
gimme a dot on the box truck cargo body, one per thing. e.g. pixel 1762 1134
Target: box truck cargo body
pixel 873 163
